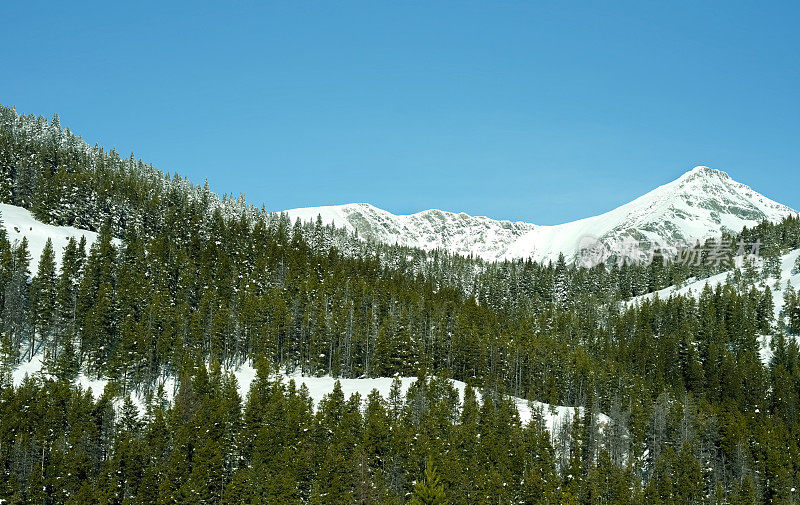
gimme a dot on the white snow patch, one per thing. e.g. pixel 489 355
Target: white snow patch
pixel 20 223
pixel 318 387
pixel 34 368
pixel 553 416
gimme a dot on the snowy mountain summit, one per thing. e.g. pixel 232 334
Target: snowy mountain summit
pixel 702 203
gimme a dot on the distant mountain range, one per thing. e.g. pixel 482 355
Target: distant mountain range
pixel 702 203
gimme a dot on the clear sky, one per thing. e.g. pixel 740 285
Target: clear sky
pixel 538 111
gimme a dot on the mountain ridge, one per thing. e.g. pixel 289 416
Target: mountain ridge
pixel 702 203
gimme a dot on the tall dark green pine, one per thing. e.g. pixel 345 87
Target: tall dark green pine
pixel 15 301
pixel 42 298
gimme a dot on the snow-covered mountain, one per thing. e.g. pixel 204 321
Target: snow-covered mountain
pixel 702 203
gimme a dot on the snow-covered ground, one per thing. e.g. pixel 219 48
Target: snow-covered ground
pixel 788 276
pixel 776 285
pixel 552 415
pixel 19 223
pixel 33 368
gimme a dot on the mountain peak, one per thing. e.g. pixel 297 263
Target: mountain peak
pixel 702 203
pixel 704 171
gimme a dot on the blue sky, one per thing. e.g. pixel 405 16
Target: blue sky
pixel 538 111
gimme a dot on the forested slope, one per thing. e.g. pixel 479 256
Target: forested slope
pixel 180 283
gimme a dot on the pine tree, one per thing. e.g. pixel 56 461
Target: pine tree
pixel 15 301
pixel 42 298
pixel 430 490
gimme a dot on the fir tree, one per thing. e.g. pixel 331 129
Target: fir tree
pixel 429 491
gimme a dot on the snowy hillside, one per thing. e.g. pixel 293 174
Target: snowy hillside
pixel 19 223
pixel 789 276
pixel 777 285
pixel 553 416
pixel 702 203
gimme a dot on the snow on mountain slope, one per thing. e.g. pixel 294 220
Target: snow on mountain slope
pixel 318 387
pixel 429 230
pixel 789 275
pixel 777 285
pixel 553 416
pixel 703 203
pixel 19 223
